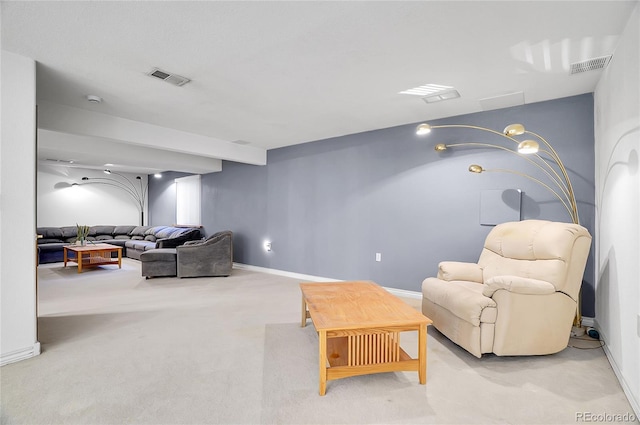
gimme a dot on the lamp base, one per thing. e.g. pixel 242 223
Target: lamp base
pixel 577 331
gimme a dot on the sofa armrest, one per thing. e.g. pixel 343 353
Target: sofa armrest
pixel 517 285
pixel 193 242
pixel 455 270
pixel 211 257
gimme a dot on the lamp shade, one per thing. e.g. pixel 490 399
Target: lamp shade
pixel 423 128
pixel 514 130
pixel 528 147
pixel 440 147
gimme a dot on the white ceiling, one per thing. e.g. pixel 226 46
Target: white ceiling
pixel 281 73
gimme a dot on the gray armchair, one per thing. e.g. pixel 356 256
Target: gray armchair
pixel 210 257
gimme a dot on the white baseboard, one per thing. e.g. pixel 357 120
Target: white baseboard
pixel 22 354
pixel 635 403
pixel 310 278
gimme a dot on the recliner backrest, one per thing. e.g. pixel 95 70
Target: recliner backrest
pixel 545 250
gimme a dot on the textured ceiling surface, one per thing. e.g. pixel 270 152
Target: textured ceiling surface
pixel 280 73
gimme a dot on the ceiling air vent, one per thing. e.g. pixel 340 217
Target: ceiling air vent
pixel 590 65
pixel 174 79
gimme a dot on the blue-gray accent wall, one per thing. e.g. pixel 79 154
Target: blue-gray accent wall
pixel 329 206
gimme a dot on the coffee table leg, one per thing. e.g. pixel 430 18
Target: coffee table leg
pixel 79 258
pixel 422 354
pixel 304 313
pixel 119 258
pixel 322 343
pixel 65 256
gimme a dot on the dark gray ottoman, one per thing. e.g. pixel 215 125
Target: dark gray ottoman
pixel 158 262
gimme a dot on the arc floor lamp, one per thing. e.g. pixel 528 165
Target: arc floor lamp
pixel 138 192
pixel 544 158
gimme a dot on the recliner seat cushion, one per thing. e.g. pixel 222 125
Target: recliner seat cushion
pixel 463 299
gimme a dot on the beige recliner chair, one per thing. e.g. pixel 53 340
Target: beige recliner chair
pixel 520 298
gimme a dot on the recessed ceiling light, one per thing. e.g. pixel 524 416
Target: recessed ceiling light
pixel 108 165
pixel 426 89
pixel 93 98
pixel 438 97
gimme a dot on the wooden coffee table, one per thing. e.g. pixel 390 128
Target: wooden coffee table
pixel 91 255
pixel 359 325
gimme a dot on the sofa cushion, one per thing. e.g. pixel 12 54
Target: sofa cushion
pixel 101 230
pixel 51 247
pixel 139 245
pixel 50 232
pixel 179 231
pixel 137 238
pixel 69 231
pixel 139 231
pixel 165 232
pixel 44 241
pixel 104 237
pixel 123 230
pixel 122 237
pixel 154 230
pixel 160 254
pixel 150 238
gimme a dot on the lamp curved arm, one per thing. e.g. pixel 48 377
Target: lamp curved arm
pixel 561 180
pixel 475 127
pixel 558 182
pixel 115 183
pixel 131 185
pixel 552 152
pixel 543 184
pixel 568 190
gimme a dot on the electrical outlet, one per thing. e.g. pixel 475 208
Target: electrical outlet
pixel 378 256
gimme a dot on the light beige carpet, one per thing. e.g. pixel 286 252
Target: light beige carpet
pixel 119 349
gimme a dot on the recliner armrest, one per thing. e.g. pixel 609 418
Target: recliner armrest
pixel 456 270
pixel 518 285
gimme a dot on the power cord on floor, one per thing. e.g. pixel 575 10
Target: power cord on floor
pixel 591 335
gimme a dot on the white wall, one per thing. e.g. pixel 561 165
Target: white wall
pixel 60 204
pixel 617 134
pixel 18 338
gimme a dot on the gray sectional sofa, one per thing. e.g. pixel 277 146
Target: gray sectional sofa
pixel 134 239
